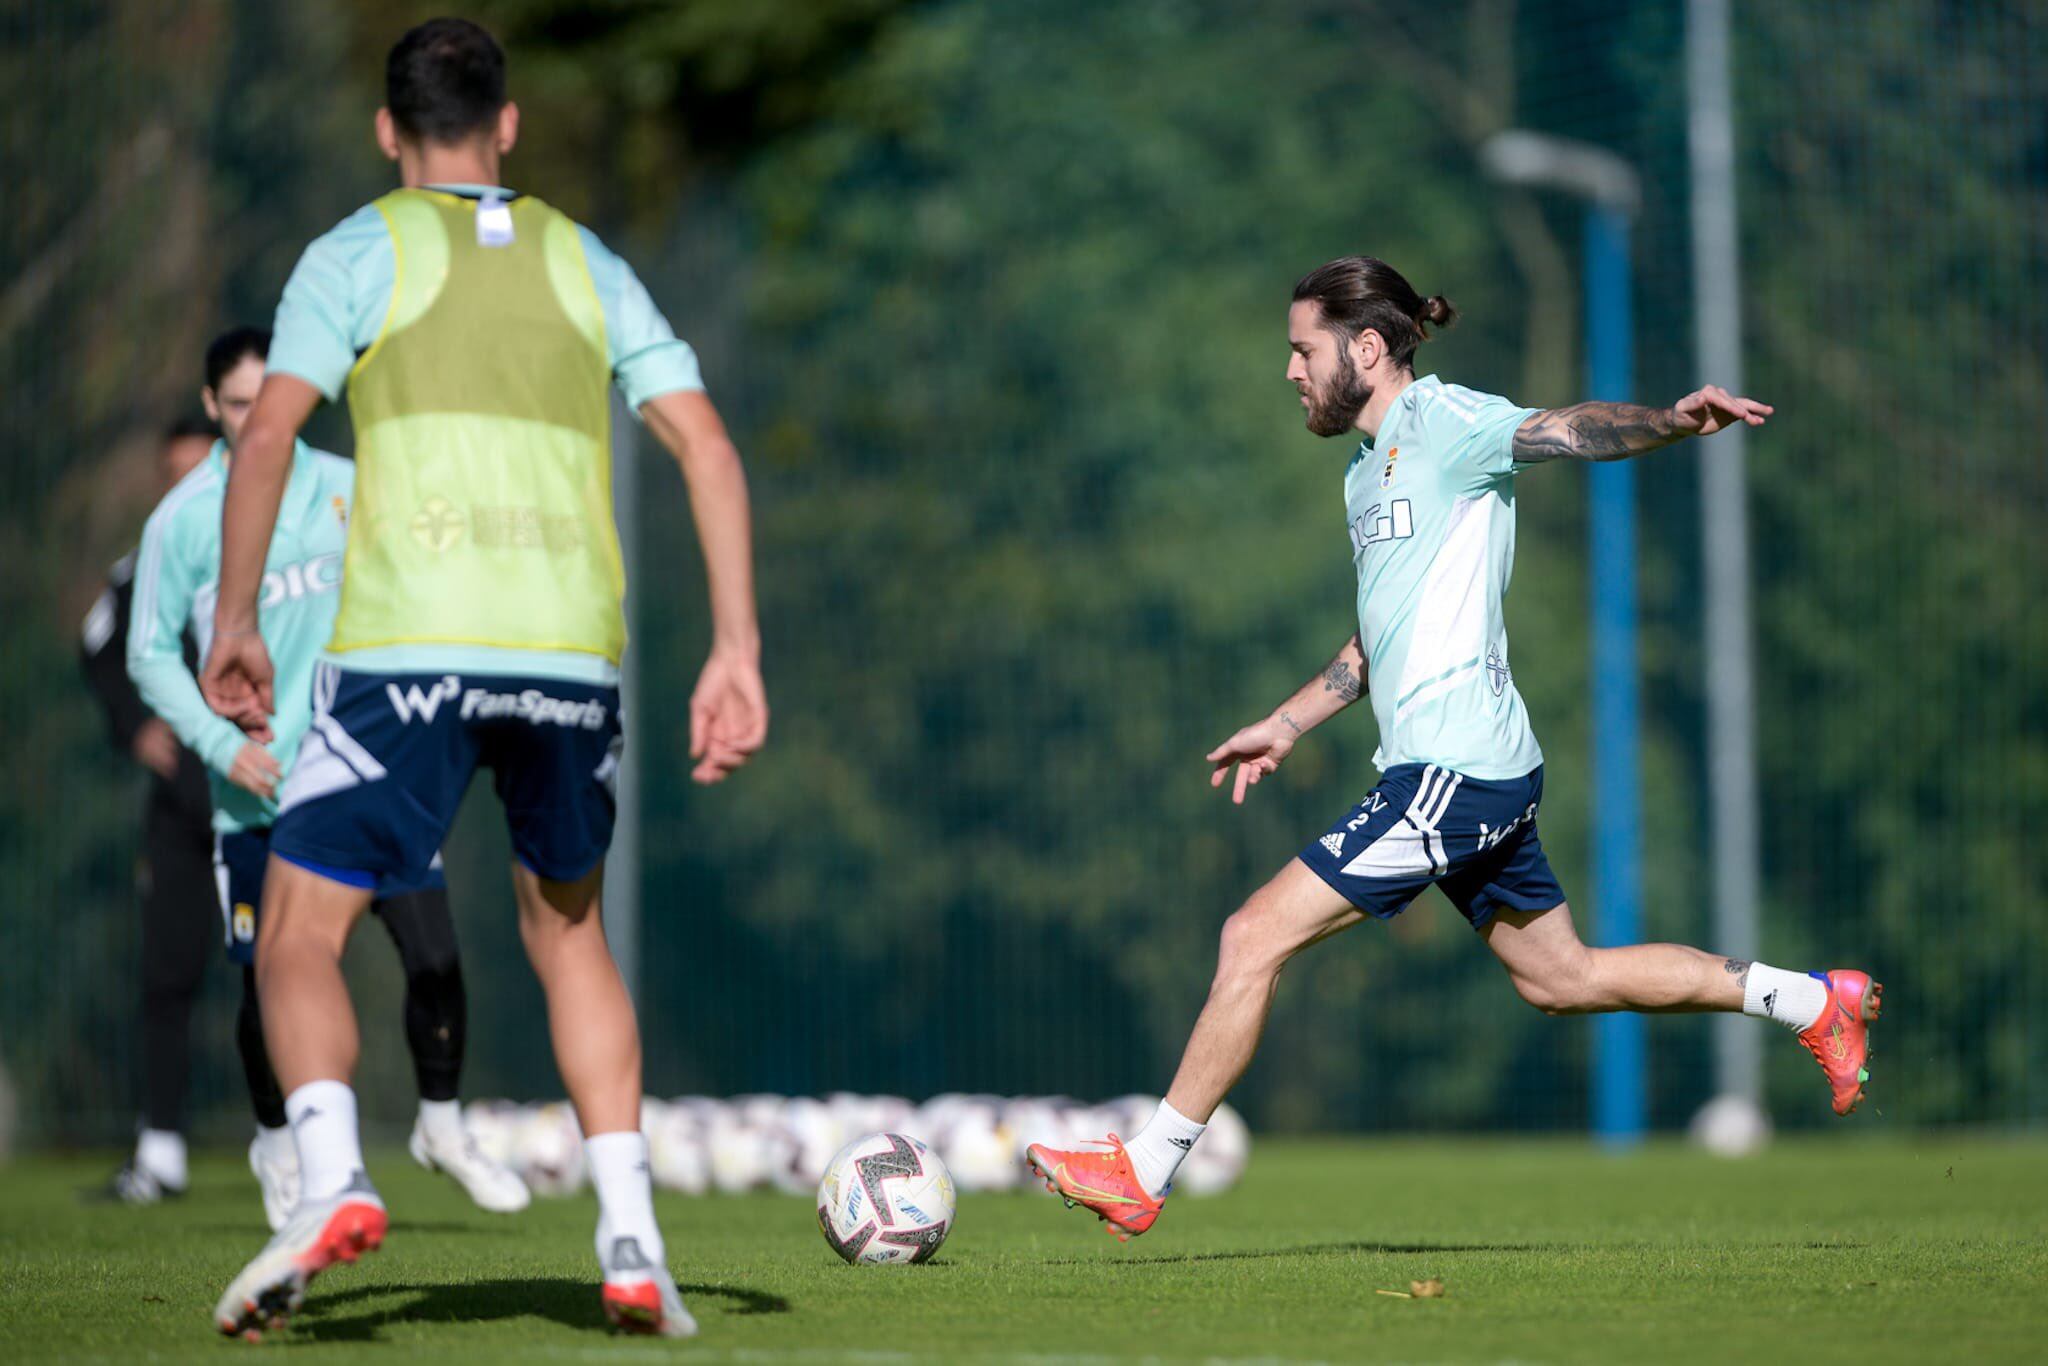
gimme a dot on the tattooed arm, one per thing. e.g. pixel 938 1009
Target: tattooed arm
pixel 1259 748
pixel 1616 431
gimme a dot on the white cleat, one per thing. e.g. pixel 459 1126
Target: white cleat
pixel 319 1233
pixel 494 1187
pixel 278 1180
pixel 640 1296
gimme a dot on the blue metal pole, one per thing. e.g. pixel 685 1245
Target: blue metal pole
pixel 1620 1053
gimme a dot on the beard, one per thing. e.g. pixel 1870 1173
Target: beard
pixel 1332 411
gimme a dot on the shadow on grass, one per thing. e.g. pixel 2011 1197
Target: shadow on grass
pixel 571 1303
pixel 1391 1249
pixel 1310 1250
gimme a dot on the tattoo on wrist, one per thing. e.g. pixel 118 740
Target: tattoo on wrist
pixel 1289 722
pixel 1739 970
pixel 1593 431
pixel 1339 679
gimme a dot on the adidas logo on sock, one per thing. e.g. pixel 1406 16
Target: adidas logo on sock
pixel 1770 1001
pixel 627 1256
pixel 1334 842
pixel 1184 1144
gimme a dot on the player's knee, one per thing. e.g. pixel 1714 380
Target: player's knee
pixel 1563 987
pixel 1250 945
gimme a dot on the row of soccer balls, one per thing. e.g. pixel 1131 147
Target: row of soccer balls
pixel 697 1145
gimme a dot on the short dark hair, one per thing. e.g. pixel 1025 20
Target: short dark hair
pixel 1359 292
pixel 191 425
pixel 444 81
pixel 231 347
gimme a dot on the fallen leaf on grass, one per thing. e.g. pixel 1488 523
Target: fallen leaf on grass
pixel 1426 1290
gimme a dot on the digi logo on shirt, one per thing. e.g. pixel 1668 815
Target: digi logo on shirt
pixel 1393 522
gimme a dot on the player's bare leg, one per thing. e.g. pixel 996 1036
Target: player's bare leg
pixel 310 1028
pixel 1559 975
pixel 597 1048
pixel 1291 912
pixel 1125 1185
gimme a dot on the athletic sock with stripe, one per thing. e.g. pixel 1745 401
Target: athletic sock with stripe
pixel 1793 999
pixel 1161 1146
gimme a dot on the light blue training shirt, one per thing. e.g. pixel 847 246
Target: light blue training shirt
pixel 177 582
pixel 1430 506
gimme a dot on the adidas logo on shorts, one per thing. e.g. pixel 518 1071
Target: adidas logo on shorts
pixel 1334 842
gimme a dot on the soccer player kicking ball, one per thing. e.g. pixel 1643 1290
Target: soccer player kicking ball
pixel 478 332
pixel 176 578
pixel 1429 497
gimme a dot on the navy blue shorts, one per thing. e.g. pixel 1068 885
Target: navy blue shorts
pixel 1425 826
pixel 239 858
pixel 384 766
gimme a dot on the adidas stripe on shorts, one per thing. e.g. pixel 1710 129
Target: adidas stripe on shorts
pixel 1427 826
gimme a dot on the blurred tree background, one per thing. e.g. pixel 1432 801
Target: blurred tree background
pixel 993 297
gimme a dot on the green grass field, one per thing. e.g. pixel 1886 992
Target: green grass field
pixel 1824 1250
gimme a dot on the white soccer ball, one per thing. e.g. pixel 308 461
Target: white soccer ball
pixel 979 1150
pixel 736 1151
pixel 548 1150
pixel 1731 1126
pixel 675 1149
pixel 885 1199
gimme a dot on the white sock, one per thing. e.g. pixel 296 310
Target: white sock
pixel 323 1116
pixel 277 1146
pixel 1157 1151
pixel 161 1153
pixel 1794 999
pixel 625 1193
pixel 441 1122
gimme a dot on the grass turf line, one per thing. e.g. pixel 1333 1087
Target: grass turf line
pixel 1822 1250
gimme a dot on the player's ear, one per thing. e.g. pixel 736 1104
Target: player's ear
pixel 1367 348
pixel 387 135
pixel 209 403
pixel 508 128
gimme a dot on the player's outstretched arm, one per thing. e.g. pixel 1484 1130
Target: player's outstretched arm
pixel 1261 747
pixel 729 709
pixel 1616 431
pixel 237 676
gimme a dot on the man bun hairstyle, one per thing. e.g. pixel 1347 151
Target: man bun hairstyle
pixel 231 348
pixel 1354 293
pixel 444 81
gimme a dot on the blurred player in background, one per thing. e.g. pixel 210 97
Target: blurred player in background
pixel 478 333
pixel 176 870
pixel 176 581
pixel 1429 499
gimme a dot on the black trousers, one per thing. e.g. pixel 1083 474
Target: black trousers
pixel 436 1008
pixel 181 933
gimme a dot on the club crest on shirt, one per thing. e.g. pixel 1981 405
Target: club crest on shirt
pixel 1387 475
pixel 341 511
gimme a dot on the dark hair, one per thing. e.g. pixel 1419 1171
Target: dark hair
pixel 1359 292
pixel 191 425
pixel 231 347
pixel 444 81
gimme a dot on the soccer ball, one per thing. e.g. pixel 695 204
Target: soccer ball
pixel 547 1149
pixel 1730 1126
pixel 886 1198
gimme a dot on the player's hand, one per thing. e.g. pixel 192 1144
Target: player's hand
pixel 728 714
pixel 1706 411
pixel 1256 750
pixel 236 682
pixel 255 770
pixel 155 748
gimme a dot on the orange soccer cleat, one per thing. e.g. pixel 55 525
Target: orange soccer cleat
pixel 1102 1181
pixel 1840 1039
